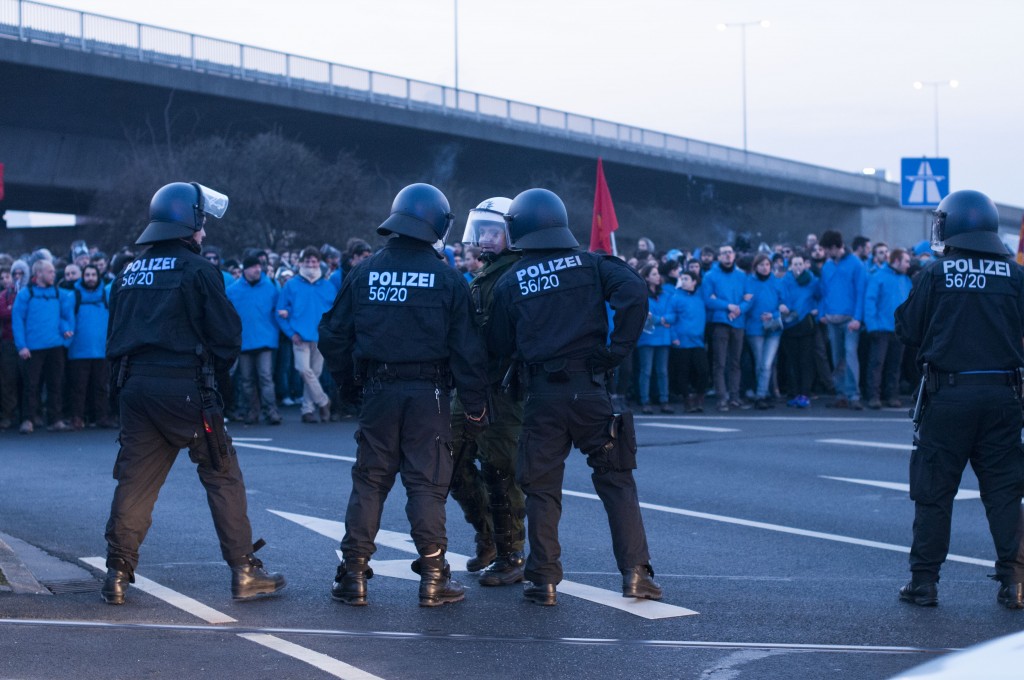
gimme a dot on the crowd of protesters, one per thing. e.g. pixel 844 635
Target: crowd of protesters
pixel 752 326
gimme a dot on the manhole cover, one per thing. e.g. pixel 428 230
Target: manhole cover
pixel 88 585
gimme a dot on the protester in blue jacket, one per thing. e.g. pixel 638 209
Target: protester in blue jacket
pixel 843 283
pixel 688 340
pixel 255 298
pixel 652 347
pixel 801 291
pixel 87 363
pixel 764 324
pixel 887 288
pixel 43 321
pixel 724 292
pixel 302 302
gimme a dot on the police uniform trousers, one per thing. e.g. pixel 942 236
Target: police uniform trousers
pixel 403 427
pixel 159 417
pixel 980 424
pixel 558 416
pixel 489 490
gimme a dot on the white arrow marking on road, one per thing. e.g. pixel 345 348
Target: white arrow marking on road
pixel 648 609
pixel 328 664
pixel 699 428
pixel 785 530
pixel 297 452
pixel 872 445
pixel 962 494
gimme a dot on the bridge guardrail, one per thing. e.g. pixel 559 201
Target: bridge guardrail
pixel 37 22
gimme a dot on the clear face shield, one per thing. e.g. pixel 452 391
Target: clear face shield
pixel 212 203
pixel 487 230
pixel 939 232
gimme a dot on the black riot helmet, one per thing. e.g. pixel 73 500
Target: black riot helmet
pixel 420 211
pixel 537 221
pixel 967 220
pixel 179 210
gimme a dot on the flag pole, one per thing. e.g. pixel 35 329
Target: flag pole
pixel 615 249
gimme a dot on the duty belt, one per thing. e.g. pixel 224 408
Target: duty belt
pixel 384 370
pixel 994 378
pixel 156 371
pixel 557 365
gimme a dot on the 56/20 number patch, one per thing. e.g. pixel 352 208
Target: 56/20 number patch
pixel 388 294
pixel 537 284
pixel 975 281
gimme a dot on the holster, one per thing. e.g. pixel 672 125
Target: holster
pixel 619 453
pixel 218 444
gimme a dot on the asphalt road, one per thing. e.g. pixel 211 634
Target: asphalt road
pixel 774 565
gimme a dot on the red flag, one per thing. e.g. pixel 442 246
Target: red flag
pixel 1020 243
pixel 604 222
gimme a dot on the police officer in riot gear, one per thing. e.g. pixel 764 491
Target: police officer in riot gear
pixel 171 327
pixel 565 364
pixel 964 318
pixel 402 322
pixel 489 495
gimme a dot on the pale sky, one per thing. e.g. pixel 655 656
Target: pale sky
pixel 828 83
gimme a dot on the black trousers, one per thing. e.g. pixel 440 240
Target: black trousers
pixel 159 417
pixel 691 369
pixel 403 427
pixel 885 355
pixel 798 357
pixel 45 366
pixel 558 416
pixel 10 381
pixel 960 424
pixel 88 382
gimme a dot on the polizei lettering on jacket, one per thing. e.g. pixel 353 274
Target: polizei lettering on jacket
pixel 542 276
pixel 140 272
pixel 394 286
pixel 965 273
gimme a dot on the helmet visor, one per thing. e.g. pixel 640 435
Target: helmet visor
pixel 485 228
pixel 211 202
pixel 938 239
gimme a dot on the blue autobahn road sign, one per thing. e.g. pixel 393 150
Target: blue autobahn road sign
pixel 923 181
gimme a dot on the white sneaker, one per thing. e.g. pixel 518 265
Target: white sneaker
pixel 287 401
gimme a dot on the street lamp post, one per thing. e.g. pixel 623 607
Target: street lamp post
pixel 935 85
pixel 742 25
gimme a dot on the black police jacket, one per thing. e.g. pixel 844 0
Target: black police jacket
pixel 167 302
pixel 551 305
pixel 404 305
pixel 965 312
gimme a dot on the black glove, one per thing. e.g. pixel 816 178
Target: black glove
pixel 603 359
pixel 475 424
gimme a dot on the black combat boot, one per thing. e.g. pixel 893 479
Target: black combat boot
pixel 545 594
pixel 350 581
pixel 116 585
pixel 504 571
pixel 1011 595
pixel 922 594
pixel 639 582
pixel 436 584
pixel 250 579
pixel 485 553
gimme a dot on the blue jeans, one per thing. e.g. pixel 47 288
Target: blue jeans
pixel 844 357
pixel 764 348
pixel 658 357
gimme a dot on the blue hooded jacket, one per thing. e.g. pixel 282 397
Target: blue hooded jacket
pixel 886 291
pixel 800 299
pixel 256 305
pixel 767 298
pixel 306 303
pixel 659 307
pixel 91 317
pixel 41 316
pixel 691 317
pixel 721 290
pixel 843 284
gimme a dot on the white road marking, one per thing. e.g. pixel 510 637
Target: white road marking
pixel 648 609
pixel 171 597
pixel 328 664
pixel 699 428
pixel 252 439
pixel 872 445
pixel 962 494
pixel 338 669
pixel 794 419
pixel 786 530
pixel 297 452
pixel 403 568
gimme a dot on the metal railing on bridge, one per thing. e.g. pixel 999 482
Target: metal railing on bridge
pixel 70 29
